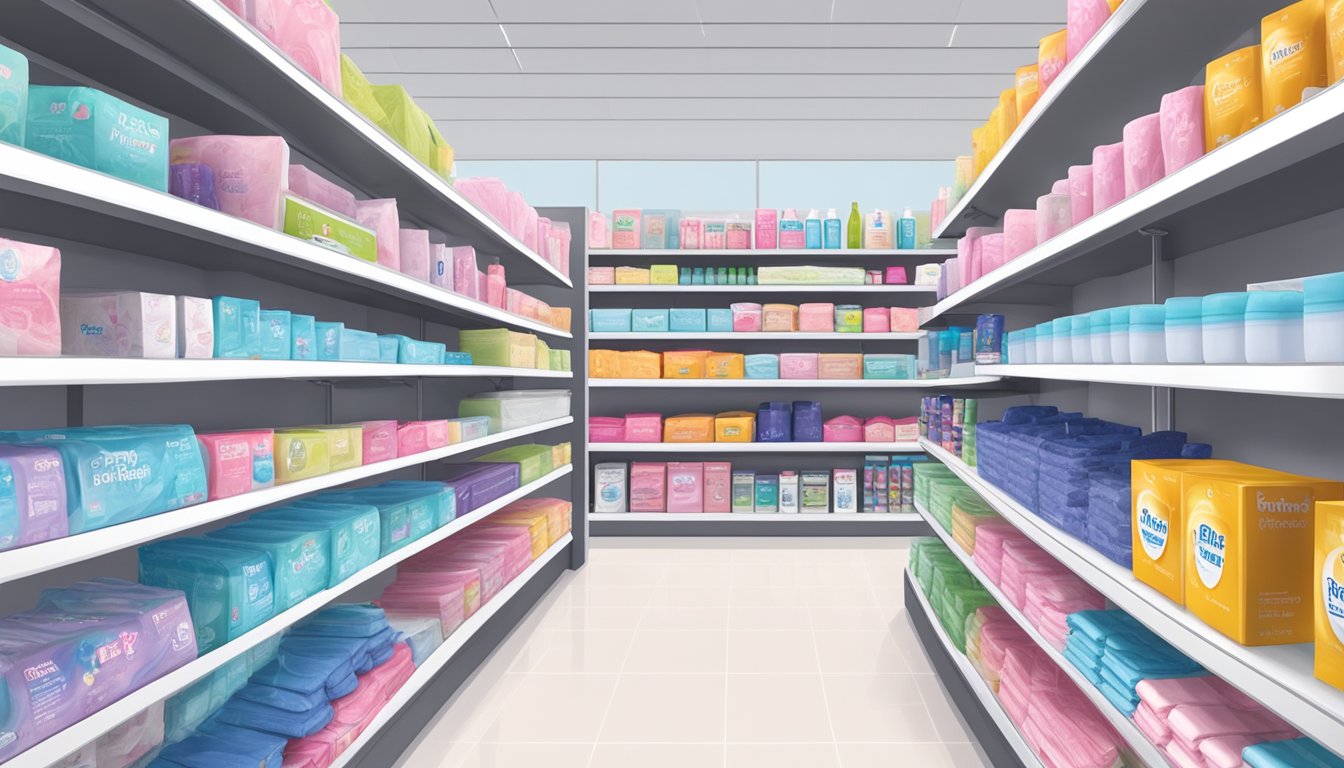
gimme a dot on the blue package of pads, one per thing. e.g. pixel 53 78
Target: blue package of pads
pixel 299 557
pixel 229 587
pixel 404 517
pixel 302 337
pixel 307 664
pixel 441 495
pixel 277 325
pixel 1293 753
pixel 350 620
pixel 387 348
pixel 686 320
pixel 283 698
pixel 456 358
pixel 237 328
pixel 355 531
pixel 648 320
pixel 719 320
pixel 224 746
pixel 329 336
pixel 294 725
pixel 415 352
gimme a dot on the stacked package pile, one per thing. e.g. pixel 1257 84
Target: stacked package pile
pixel 953 592
pixel 968 514
pixel 1116 653
pixel 1055 718
pixel 932 478
pixel 1045 591
pixel 990 541
pixel 949 422
pixel 990 635
pixel 1073 471
pixel 1203 722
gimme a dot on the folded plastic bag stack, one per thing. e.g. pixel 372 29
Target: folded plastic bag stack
pixel 990 540
pixel 1115 652
pixel 968 514
pixel 1295 753
pixel 1203 721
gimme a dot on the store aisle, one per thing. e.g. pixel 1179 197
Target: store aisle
pixel 710 652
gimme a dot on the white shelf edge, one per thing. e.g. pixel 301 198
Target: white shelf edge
pixel 55 747
pixel 791 447
pixel 1279 677
pixel 339 110
pixel 1288 379
pixel 134 203
pixel 57 371
pixel 754 336
pixel 783 288
pixel 1062 82
pixel 1143 748
pixel 57 553
pixel 716 517
pixel 1129 214
pixel 441 656
pixel 988 699
pixel 791 383
pixel 828 252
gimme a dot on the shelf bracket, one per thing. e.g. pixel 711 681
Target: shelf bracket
pixel 1162 287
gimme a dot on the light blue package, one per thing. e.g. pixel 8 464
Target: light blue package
pixel 765 366
pixel 87 127
pixel 13 95
pixel 358 346
pixel 648 321
pixel 354 531
pixel 888 366
pixel 229 586
pixel 686 320
pixel 302 337
pixel 329 340
pixel 276 327
pixel 456 358
pixel 609 320
pixel 398 523
pixel 299 558
pixel 441 495
pixel 121 473
pixel 415 352
pixel 387 348
pixel 237 328
pixel 719 320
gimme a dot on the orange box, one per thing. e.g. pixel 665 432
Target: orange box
pixel 604 364
pixel 684 364
pixel 689 428
pixel 725 365
pixel 779 318
pixel 846 365
pixel 735 427
pixel 560 317
pixel 639 364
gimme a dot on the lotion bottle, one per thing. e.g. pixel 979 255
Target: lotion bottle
pixel 855 233
pixel 905 230
pixel 812 229
pixel 831 231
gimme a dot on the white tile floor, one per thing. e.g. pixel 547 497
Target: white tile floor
pixel 739 653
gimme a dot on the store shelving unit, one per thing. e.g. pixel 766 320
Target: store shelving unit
pixel 1323 381
pixel 812 384
pixel 976 702
pixel 724 448
pixel 920 290
pixel 1280 677
pixel 755 336
pixel 768 253
pixel 762 524
pixel 72 371
pixel 1137 742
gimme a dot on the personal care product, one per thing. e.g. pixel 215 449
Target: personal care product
pixel 1099 322
pixel 815 493
pixel 309 222
pixel 725 365
pixel 1026 89
pixel 854 228
pixel 1051 56
pixel 654 230
pixel 1232 96
pixel 119 324
pixel 716 234
pixel 30 286
pixel 766 495
pixel 1328 584
pixel 1274 328
pixel 905 230
pixel 95 130
pixel 1184 329
pixel 718 481
pixel 843 429
pixel 1108 176
pixel 302 337
pixel 737 236
pixel 300 454
pixel 196 328
pixel 767 229
pixel 13 96
pixel 276 327
pixel 1182 124
pixel 610 496
pixel 379 217
pixel 251 173
pixel 1144 164
pixel 1085 17
pixel 846 491
pixel 1292 55
pixel 788 492
pixel 832 234
pixel 692 234
pixel 414 256
pixel 1147 334
pixel 744 492
pixel 848 318
pixel 1224 322
pixel 1159 519
pixel 314 188
pixel 33 501
pixel 1323 318
pixel 877 230
pixel 1248 573
pixel 791 231
pixel 688 428
pixel 812 235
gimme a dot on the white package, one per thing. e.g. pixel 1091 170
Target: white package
pixel 195 328
pixel 609 482
pixel 119 324
pixel 846 491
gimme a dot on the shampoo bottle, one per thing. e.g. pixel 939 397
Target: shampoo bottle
pixel 877 229
pixel 831 231
pixel 905 230
pixel 812 229
pixel 791 231
pixel 855 234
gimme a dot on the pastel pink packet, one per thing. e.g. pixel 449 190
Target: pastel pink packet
pixel 1060 187
pixel 412 438
pixel 606 429
pixel 1143 153
pixel 309 32
pixel 1164 694
pixel 875 319
pixel 380 441
pixel 1191 724
pixel 1182 123
pixel 413 259
pixel 464 272
pixel 30 290
pixel 1152 726
pixel 643 428
pixel 904 319
pixel 381 216
pixel 495 286
pixel 991 253
pixel 308 184
pixel 1108 176
pixel 685 482
pixel 1225 751
pixel 1085 17
pixel 1080 192
pixel 1053 215
pixel 228 463
pixel 251 173
pixel 879 429
pixel 1019 232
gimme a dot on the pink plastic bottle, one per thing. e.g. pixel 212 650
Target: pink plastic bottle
pixel 1182 118
pixel 1108 176
pixel 495 286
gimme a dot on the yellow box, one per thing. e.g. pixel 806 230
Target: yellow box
pixel 839 365
pixel 604 364
pixel 779 318
pixel 662 274
pixel 725 365
pixel 632 276
pixel 735 427
pixel 560 317
pixel 684 364
pixel 558 455
pixel 1158 519
pixel 639 364
pixel 537 526
pixel 301 454
pixel 689 428
pixel 1329 592
pixel 568 449
pixel 543 353
pixel 1248 569
pixel 499 346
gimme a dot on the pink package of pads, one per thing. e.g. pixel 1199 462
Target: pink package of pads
pixel 494 286
pixel 643 428
pixel 1182 123
pixel 1152 726
pixel 1164 694
pixel 381 216
pixel 412 437
pixel 879 429
pixel 606 429
pixel 487 193
pixel 228 462
pixel 1080 192
pixel 904 319
pixel 1053 215
pixel 798 365
pixel 380 441
pixel 413 256
pixel 1085 17
pixel 991 253
pixel 816 317
pixel 251 173
pixel 1108 176
pixel 746 317
pixel 685 486
pixel 842 429
pixel 309 32
pixel 464 272
pixel 308 184
pixel 648 486
pixel 876 320
pixel 1019 232
pixel 1143 153
pixel 1060 187
pixel 30 288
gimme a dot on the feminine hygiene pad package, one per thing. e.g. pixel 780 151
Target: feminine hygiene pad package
pixel 119 324
pixel 33 505
pixel 87 127
pixel 251 173
pixel 30 287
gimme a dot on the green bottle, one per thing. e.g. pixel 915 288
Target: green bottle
pixel 855 227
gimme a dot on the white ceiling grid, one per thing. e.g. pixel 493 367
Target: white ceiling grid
pixel 700 79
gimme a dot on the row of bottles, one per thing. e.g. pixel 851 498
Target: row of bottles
pixel 876 230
